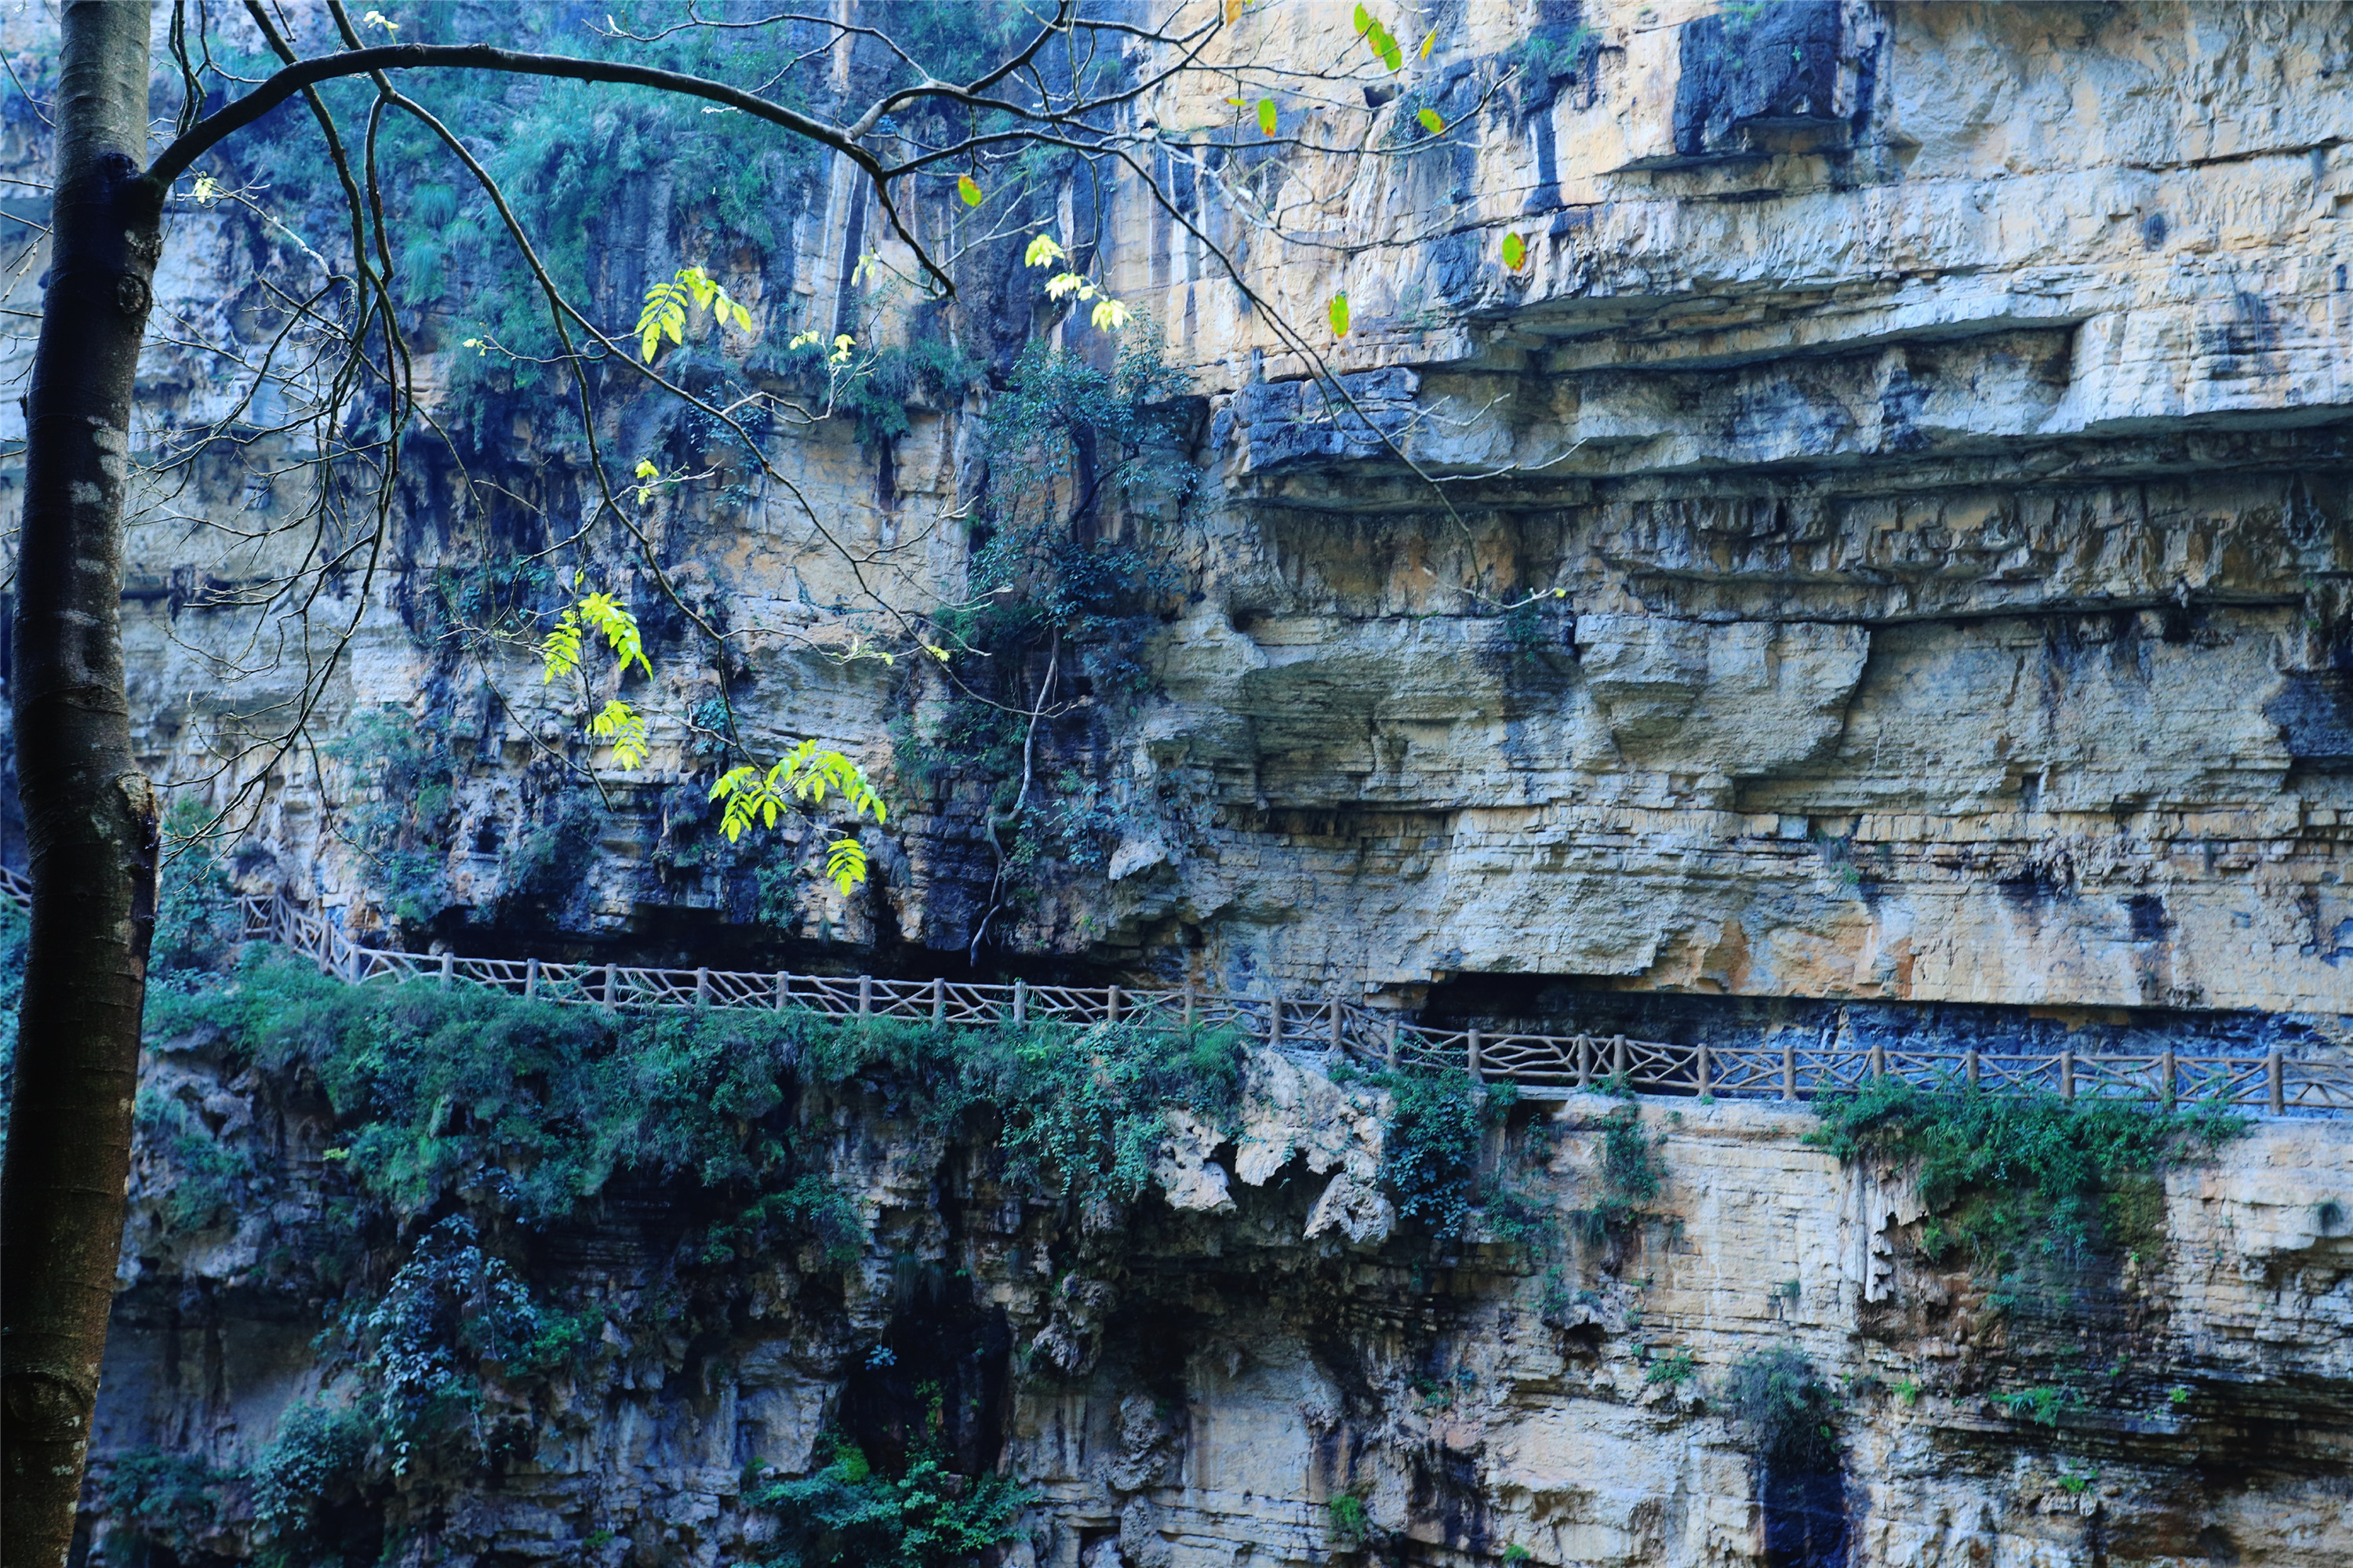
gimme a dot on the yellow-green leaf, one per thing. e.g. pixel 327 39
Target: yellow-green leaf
pixel 1431 122
pixel 968 189
pixel 1266 116
pixel 1042 252
pixel 845 862
pixel 1364 21
pixel 560 654
pixel 1340 314
pixel 1515 252
pixel 623 728
pixel 1429 43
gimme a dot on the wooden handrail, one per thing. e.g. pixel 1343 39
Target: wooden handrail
pixel 1775 1069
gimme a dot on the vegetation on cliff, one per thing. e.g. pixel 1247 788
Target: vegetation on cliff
pixel 2012 1178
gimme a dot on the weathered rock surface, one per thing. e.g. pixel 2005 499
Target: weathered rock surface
pixel 1222 1362
pixel 1916 430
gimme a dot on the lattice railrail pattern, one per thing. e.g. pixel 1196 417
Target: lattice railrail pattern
pixel 1786 1070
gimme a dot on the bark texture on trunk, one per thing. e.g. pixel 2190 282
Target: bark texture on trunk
pixel 89 814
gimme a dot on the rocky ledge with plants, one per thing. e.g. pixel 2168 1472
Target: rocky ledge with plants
pixel 423 1274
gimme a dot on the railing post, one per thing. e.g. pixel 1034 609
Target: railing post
pixel 1274 1022
pixel 1111 1005
pixel 865 996
pixel 2165 1089
pixel 1188 1001
pixel 1020 1002
pixel 1788 1066
pixel 530 979
pixel 1617 1065
pixel 2067 1071
pixel 1388 1055
pixel 1337 1043
pixel 1700 1068
pixel 939 998
pixel 1878 1060
pixel 448 969
pixel 702 987
pixel 2275 1078
pixel 1585 1061
pixel 1473 1054
pixel 1972 1069
pixel 783 989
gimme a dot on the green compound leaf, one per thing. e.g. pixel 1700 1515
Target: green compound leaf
pixel 1340 314
pixel 845 862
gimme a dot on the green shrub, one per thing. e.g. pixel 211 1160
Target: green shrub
pixel 1431 1143
pixel 2005 1176
pixel 404 777
pixel 433 1086
pixel 1631 1170
pixel 1783 1410
pixel 1674 1369
pixel 315 1465
pixel 1090 1112
pixel 197 923
pixel 848 1515
pixel 172 1499
pixel 1351 1520
pixel 209 1178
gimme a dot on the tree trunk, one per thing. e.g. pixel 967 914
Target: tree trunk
pixel 89 814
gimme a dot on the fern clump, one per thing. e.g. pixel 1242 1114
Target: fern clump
pixel 847 1513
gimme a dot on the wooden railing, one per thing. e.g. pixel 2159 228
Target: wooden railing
pixel 1783 1069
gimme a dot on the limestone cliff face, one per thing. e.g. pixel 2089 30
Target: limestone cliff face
pixel 1881 561
pixel 1888 542
pixel 1258 1363
pixel 1942 469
